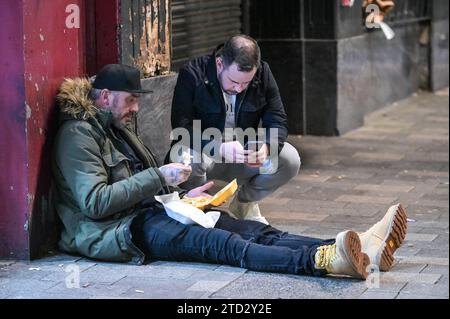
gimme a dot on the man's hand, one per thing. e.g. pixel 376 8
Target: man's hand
pixel 200 191
pixel 233 152
pixel 175 173
pixel 256 159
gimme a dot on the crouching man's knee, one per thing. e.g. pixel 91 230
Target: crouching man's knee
pixel 289 161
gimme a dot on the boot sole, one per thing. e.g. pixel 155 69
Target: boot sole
pixel 394 239
pixel 358 260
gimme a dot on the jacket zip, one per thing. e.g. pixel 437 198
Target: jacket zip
pixel 127 166
pixel 236 117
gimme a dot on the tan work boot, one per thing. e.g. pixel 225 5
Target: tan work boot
pixel 247 211
pixel 344 257
pixel 381 240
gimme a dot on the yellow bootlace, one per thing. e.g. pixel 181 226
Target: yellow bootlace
pixel 325 255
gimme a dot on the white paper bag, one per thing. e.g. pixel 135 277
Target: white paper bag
pixel 185 213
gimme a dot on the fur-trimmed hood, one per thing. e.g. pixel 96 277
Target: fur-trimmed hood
pixel 73 99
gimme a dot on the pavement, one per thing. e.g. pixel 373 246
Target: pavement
pixel 347 182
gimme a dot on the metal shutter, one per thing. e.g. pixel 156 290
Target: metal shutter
pixel 198 26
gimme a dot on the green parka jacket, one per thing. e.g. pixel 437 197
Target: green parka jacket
pixel 95 194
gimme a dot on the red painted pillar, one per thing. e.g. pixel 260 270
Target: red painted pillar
pixel 13 144
pixel 102 34
pixel 37 51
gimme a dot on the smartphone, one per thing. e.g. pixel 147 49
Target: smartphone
pixel 253 145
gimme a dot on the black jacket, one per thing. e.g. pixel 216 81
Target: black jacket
pixel 198 96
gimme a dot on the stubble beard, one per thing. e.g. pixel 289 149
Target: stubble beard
pixel 220 76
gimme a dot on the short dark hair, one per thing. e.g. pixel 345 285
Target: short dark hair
pixel 94 94
pixel 242 50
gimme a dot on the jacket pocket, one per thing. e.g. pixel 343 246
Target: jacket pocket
pixel 116 162
pixel 98 240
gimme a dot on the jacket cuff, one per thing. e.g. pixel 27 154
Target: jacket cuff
pixel 157 172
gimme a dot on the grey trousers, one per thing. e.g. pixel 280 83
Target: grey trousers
pixel 254 184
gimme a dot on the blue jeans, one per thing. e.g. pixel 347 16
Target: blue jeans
pixel 240 243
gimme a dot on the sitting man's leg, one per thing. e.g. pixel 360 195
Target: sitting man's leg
pixel 161 237
pixel 379 242
pixel 266 234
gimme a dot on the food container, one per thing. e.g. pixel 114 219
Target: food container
pixel 218 199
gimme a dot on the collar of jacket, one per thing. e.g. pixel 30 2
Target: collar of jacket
pixel 105 118
pixel 74 103
pixel 101 118
pixel 211 71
